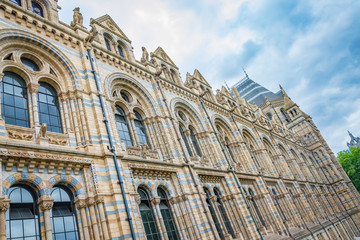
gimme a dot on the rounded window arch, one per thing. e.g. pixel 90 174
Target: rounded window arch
pixel 255 207
pixel 140 129
pixel 22 218
pixel 173 75
pixel 14 99
pixel 30 64
pixel 63 215
pixel 49 110
pixel 37 9
pixel 269 147
pixel 213 214
pixel 120 49
pixel 227 145
pixel 167 215
pixel 223 213
pixel 147 215
pixel 123 126
pixel 194 142
pixel 107 39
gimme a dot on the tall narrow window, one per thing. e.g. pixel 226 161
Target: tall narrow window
pixel 254 204
pixel 14 99
pixel 123 126
pixel 167 215
pixel 229 149
pixel 121 52
pixel 147 216
pixel 107 43
pixel 195 143
pixel 22 219
pixel 37 9
pixel 172 74
pixel 63 220
pixel 140 129
pixel 223 213
pixel 17 2
pixel 213 214
pixel 185 140
pixel 49 111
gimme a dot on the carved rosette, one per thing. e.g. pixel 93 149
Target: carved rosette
pixel 4 204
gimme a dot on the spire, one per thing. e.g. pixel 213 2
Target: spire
pixel 351 136
pixel 245 73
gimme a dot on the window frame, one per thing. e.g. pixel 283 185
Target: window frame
pixel 120 118
pixel 167 215
pixel 140 129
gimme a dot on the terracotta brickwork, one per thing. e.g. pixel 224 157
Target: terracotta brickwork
pixel 228 170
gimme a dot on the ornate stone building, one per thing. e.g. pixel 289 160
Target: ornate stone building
pixel 95 144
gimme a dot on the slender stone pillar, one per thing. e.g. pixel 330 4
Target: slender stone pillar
pixel 100 204
pixel 34 88
pixel 91 202
pixel 81 205
pixel 4 206
pixel 155 201
pixel 46 204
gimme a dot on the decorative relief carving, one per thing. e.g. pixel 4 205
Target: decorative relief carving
pixel 80 203
pixel 133 151
pixel 20 133
pixel 46 205
pixel 4 204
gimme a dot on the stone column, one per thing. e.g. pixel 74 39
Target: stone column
pixel 155 201
pixel 81 205
pixel 46 204
pixel 4 206
pixel 1 78
pixel 91 202
pixel 34 88
pixel 82 118
pixel 130 116
pixel 75 119
pixel 100 204
pixel 175 211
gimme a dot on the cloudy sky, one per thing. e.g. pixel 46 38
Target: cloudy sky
pixel 311 48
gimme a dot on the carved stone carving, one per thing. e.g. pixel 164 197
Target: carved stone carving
pixel 46 204
pixel 80 203
pixel 77 18
pixel 155 201
pixel 90 201
pixel 4 204
pixel 145 55
pixel 92 34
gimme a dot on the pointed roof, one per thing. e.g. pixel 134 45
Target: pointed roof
pixel 225 92
pixel 288 103
pixel 162 55
pixel 108 23
pixel 200 78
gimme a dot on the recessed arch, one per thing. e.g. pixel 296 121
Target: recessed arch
pixel 70 182
pixel 183 104
pixel 30 179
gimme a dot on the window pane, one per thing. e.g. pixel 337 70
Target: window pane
pixel 58 224
pixel 29 228
pixel 60 236
pixel 16 227
pixel 69 223
pixel 10 89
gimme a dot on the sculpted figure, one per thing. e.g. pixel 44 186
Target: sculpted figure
pixel 93 33
pixel 145 55
pixel 77 17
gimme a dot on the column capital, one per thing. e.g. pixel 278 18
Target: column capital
pixel 80 203
pixel 1 76
pixel 90 201
pixel 99 199
pixel 173 200
pixel 155 200
pixel 33 87
pixel 4 204
pixel 213 198
pixel 45 204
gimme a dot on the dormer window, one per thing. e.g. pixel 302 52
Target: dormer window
pixel 37 9
pixel 17 2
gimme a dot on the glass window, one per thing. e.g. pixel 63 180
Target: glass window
pixel 140 129
pixel 185 140
pixel 63 219
pixel 30 64
pixel 37 9
pixel 147 216
pixel 229 149
pixel 223 213
pixel 107 43
pixel 48 106
pixel 258 215
pixel 18 2
pixel 172 74
pixel 121 53
pixel 213 214
pixel 124 96
pixel 195 143
pixel 123 126
pixel 182 116
pixel 14 100
pixel 167 215
pixel 22 218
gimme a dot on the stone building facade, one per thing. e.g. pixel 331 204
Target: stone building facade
pixel 95 144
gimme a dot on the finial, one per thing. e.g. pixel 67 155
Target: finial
pixel 245 72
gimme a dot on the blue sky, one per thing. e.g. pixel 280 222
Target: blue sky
pixel 311 48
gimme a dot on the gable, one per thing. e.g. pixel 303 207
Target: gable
pixel 162 55
pixel 200 78
pixel 107 23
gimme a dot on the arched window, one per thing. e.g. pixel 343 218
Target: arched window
pixel 14 99
pixel 125 97
pixel 284 114
pixel 30 64
pixel 22 219
pixel 123 126
pixel 121 52
pixel 254 204
pixel 185 140
pixel 63 215
pixel 269 116
pixel 37 9
pixel 223 213
pixel 140 129
pixel 167 215
pixel 173 75
pixel 107 43
pixel 49 111
pixel 213 214
pixel 195 143
pixel 17 2
pixel 147 216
